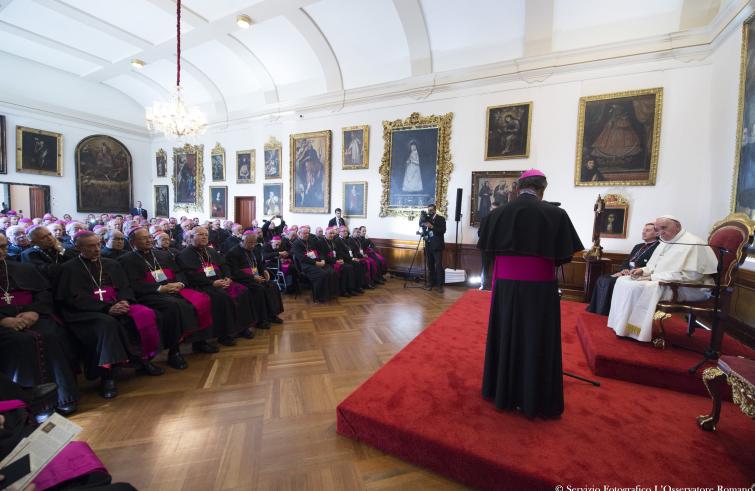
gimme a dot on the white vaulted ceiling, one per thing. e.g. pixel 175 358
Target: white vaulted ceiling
pixel 298 50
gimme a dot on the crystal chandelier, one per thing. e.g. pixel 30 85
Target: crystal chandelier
pixel 174 118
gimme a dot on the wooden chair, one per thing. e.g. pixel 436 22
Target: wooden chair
pixel 739 374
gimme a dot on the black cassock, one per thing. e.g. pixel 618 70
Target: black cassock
pixel 179 320
pixel 266 298
pixel 332 253
pixel 48 262
pixel 112 253
pixel 324 280
pixel 523 352
pixel 231 308
pixel 44 352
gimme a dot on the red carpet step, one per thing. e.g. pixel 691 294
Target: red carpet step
pixel 626 359
pixel 424 406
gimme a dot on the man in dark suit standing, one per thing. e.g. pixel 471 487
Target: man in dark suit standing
pixel 434 228
pixel 337 221
pixel 139 211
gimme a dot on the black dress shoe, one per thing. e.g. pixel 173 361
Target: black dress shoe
pixel 41 397
pixel 427 287
pixel 276 320
pixel 371 287
pixel 151 369
pixel 108 389
pixel 440 289
pixel 177 361
pixel 67 409
pixel 227 341
pixel 248 333
pixel 358 291
pixel 204 347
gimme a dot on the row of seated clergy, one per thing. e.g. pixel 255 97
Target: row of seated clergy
pixel 680 257
pixel 125 311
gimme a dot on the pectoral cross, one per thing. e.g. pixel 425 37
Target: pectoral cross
pixel 98 292
pixel 8 297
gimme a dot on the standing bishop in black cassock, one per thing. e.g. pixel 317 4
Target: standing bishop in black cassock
pixel 246 267
pixel 311 263
pixel 529 238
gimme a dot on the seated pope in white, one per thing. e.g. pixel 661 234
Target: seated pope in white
pixel 680 257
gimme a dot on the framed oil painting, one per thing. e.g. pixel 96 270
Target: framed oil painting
pixel 217 163
pixel 188 177
pixel 218 201
pixel 39 152
pixel 507 131
pixel 245 163
pixel 310 172
pixel 355 199
pixel 162 203
pixel 273 152
pixel 489 187
pixel 161 163
pixel 613 220
pixel 416 164
pixel 618 137
pixel 355 147
pixel 3 147
pixel 273 194
pixel 743 192
pixel 103 175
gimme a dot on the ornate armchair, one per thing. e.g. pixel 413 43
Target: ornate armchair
pixel 729 239
pixel 739 374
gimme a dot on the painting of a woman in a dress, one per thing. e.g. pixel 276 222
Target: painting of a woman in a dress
pixel 412 175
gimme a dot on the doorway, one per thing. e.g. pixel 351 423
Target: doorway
pixel 31 199
pixel 245 210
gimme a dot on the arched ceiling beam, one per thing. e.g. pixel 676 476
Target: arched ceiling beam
pixel 320 46
pixel 217 96
pixel 52 43
pixel 153 84
pixel 268 85
pixel 417 37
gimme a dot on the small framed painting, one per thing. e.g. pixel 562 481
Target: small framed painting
pixel 613 220
pixel 162 203
pixel 161 163
pixel 245 162
pixel 217 161
pixel 39 151
pixel 218 201
pixel 489 187
pixel 508 131
pixel 355 199
pixel 273 194
pixel 356 143
pixel 273 152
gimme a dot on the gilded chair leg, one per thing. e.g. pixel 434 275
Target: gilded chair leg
pixel 714 379
pixel 660 341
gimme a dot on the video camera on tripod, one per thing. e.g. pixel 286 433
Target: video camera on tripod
pixel 422 231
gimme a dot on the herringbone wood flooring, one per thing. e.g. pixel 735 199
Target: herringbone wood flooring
pixel 262 415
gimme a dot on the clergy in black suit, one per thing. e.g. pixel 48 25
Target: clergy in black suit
pixel 47 254
pixel 434 227
pixel 337 221
pixel 138 211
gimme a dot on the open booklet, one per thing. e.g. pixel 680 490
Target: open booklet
pixel 41 446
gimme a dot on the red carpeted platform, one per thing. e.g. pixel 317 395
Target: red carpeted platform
pixel 626 359
pixel 424 406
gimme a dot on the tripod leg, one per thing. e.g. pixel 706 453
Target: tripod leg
pixel 583 379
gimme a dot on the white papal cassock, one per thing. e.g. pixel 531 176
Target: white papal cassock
pixel 634 301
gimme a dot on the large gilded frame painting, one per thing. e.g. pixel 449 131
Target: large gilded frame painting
pixel 188 177
pixel 618 137
pixel 310 172
pixel 39 151
pixel 743 188
pixel 416 164
pixel 103 175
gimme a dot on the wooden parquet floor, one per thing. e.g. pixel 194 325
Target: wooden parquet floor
pixel 262 415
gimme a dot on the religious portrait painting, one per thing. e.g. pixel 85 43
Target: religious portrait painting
pixel 188 177
pixel 618 138
pixel 39 151
pixel 743 193
pixel 613 220
pixel 218 201
pixel 161 163
pixel 310 172
pixel 103 175
pixel 355 147
pixel 217 163
pixel 162 203
pixel 273 152
pixel 273 199
pixel 355 199
pixel 489 187
pixel 3 147
pixel 507 134
pixel 245 162
pixel 416 164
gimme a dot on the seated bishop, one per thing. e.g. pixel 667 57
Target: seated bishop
pixel 680 257
pixel 337 256
pixel 115 244
pixel 46 254
pixel 99 307
pixel 311 264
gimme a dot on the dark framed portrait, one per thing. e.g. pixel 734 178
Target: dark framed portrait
pixel 245 162
pixel 310 172
pixel 743 192
pixel 489 187
pixel 273 201
pixel 618 138
pixel 39 152
pixel 162 201
pixel 3 147
pixel 103 175
pixel 273 151
pixel 217 163
pixel 613 220
pixel 188 177
pixel 161 163
pixel 356 146
pixel 416 164
pixel 507 131
pixel 218 201
pixel 355 199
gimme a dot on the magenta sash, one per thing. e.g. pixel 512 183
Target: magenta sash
pixel 285 265
pixel 317 254
pixel 109 294
pixel 248 271
pixel 145 321
pixel 235 289
pixel 524 268
pixel 202 306
pixel 372 272
pixel 338 267
pixel 20 297
pixel 11 405
pixel 75 460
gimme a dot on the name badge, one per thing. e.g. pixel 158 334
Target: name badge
pixel 430 234
pixel 209 271
pixel 254 271
pixel 351 254
pixel 159 275
pixel 361 252
pixel 632 264
pixel 312 255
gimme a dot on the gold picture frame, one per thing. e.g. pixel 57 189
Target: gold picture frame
pixel 188 178
pixel 615 217
pixel 402 140
pixel 618 138
pixel 488 187
pixel 218 202
pixel 35 150
pixel 743 194
pixel 217 163
pixel 310 157
pixel 273 156
pixel 161 163
pixel 355 147
pixel 355 199
pixel 507 131
pixel 248 157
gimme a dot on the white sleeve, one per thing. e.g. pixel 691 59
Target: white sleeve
pixel 688 276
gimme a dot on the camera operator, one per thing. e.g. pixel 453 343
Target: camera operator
pixel 433 230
